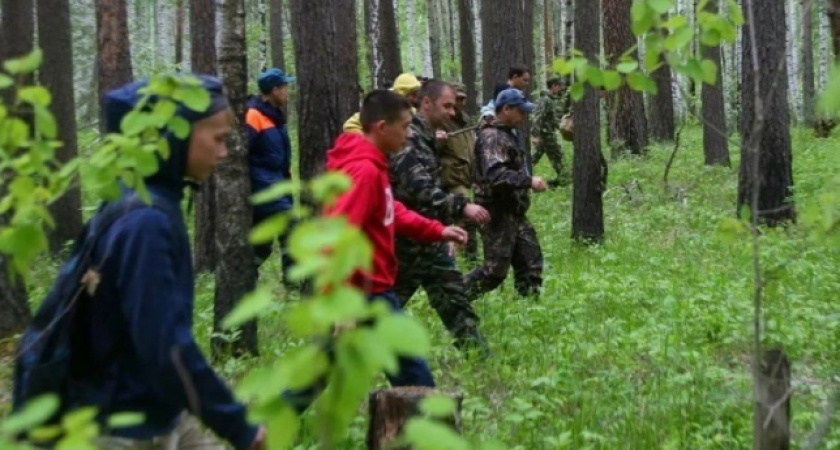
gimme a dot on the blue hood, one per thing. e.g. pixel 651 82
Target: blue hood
pixel 171 172
pixel 275 114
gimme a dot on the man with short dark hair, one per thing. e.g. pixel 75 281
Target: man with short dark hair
pixel 415 176
pixel 270 156
pixel 504 182
pixel 550 109
pixel 519 77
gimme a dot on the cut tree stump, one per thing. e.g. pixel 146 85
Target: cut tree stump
pixel 390 409
pixel 771 426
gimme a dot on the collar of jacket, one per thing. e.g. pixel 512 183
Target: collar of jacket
pixel 421 128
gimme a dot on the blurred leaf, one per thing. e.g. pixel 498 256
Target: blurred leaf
pixel 679 39
pixel 125 419
pixel 35 95
pixel 77 419
pixel 438 406
pixel 5 81
pixel 426 434
pixel 25 64
pixel 641 82
pixel 45 123
pixel 576 92
pixel 282 428
pixel 195 98
pixel 709 72
pixel 275 192
pixel 735 14
pixel 627 66
pixel 675 22
pixel 404 334
pixel 179 127
pixel 248 308
pixel 34 413
pixel 268 230
pixel 660 6
pixel 612 80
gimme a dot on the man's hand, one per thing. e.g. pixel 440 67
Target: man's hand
pixel 476 213
pixel 538 184
pixel 441 135
pixel 456 235
pixel 259 440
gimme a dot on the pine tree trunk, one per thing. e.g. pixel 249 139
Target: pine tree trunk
pixel 203 61
pixel 627 122
pixel 236 273
pixel 277 48
pixel 715 144
pixel 548 35
pixel 808 82
pixel 179 32
pixel 589 166
pixel 834 20
pixel 453 37
pixel 327 69
pixel 502 49
pixel 433 17
pixel 114 55
pixel 56 74
pixel 468 63
pixel 772 123
pixel 662 105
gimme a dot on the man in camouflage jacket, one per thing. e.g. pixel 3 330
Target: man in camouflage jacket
pixel 503 184
pixel 415 178
pixel 550 109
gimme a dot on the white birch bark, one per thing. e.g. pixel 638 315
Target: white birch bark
pixel 479 57
pixel 823 56
pixel 424 43
pixel 411 24
pixel 792 54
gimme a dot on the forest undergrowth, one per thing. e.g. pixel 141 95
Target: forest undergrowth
pixel 643 342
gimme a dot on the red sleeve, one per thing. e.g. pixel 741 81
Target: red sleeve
pixel 414 226
pixel 357 203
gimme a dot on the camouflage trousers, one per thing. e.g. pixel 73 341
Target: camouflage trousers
pixel 550 147
pixel 432 268
pixel 471 249
pixel 509 241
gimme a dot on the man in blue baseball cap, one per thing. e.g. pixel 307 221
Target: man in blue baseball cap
pixel 503 183
pixel 270 154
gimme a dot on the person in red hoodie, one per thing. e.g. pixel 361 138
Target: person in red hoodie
pixel 370 205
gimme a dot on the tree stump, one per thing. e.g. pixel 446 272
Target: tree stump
pixel 771 423
pixel 390 409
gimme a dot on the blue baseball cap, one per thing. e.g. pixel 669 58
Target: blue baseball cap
pixel 273 78
pixel 514 97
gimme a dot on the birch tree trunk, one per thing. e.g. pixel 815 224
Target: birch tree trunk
pixel 384 59
pixel 236 273
pixel 411 22
pixel 808 83
pixel 792 55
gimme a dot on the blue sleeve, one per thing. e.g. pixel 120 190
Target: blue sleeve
pixel 159 318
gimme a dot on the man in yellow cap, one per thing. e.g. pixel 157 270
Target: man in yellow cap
pixel 406 85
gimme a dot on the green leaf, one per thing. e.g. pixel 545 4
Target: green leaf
pixel 424 433
pixel 248 308
pixel 275 191
pixel 679 39
pixel 164 110
pixel 5 81
pixel 595 77
pixel 404 334
pixel 34 413
pixel 562 67
pixel 694 69
pixel 78 418
pixel 710 38
pixel 735 14
pixel 267 230
pixel 438 406
pixel 125 419
pixel 643 17
pixel 195 98
pixel 35 95
pixel 24 241
pixel 641 82
pixel 44 434
pixel 179 126
pixel 577 91
pixel 675 22
pixel 330 185
pixel 660 6
pixel 612 80
pixel 282 428
pixel 627 66
pixel 709 72
pixel 135 122
pixel 25 64
pixel 45 122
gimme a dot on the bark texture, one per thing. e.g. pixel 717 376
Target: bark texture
pixel 662 105
pixel 715 144
pixel 384 58
pixel 114 58
pixel 278 56
pixel 506 31
pixel 808 78
pixel 468 60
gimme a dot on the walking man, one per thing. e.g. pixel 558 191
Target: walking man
pixel 550 109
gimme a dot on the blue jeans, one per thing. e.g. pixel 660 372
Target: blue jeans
pixel 411 372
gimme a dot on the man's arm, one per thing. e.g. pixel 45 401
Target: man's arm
pixel 159 322
pixel 412 179
pixel 409 224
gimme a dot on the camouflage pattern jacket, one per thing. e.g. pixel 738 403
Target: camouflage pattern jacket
pixel 415 177
pixel 546 118
pixel 457 153
pixel 502 173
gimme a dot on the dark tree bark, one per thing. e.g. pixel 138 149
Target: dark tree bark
pixel 626 107
pixel 203 61
pixel 384 59
pixel 433 16
pixel 236 273
pixel 766 133
pixel 179 32
pixel 548 36
pixel 505 39
pixel 114 51
pixel 17 34
pixel 589 166
pixel 278 57
pixel 326 61
pixel 826 124
pixel 662 105
pixel 808 83
pixel 715 145
pixel 468 63
pixel 55 38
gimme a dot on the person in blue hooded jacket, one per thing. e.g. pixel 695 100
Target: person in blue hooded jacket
pixel 270 154
pixel 136 328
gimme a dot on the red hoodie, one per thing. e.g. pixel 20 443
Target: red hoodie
pixel 370 205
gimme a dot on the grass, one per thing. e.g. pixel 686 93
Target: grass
pixel 643 342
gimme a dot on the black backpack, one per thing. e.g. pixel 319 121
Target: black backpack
pixel 45 352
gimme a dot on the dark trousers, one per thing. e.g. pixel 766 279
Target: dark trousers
pixel 263 251
pixel 411 372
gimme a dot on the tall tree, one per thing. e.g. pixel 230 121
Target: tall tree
pixel 626 107
pixel 203 61
pixel 765 126
pixel 327 72
pixel 506 39
pixel 278 57
pixel 236 273
pixel 114 51
pixel 808 81
pixel 715 144
pixel 548 35
pixel 384 59
pixel 589 166
pixel 56 74
pixel 466 21
pixel 662 105
pixel 179 32
pixel 17 33
pixel 433 16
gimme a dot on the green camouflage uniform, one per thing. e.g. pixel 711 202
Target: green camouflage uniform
pixel 546 123
pixel 456 160
pixel 415 180
pixel 503 186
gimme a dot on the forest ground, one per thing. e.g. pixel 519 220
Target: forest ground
pixel 643 342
